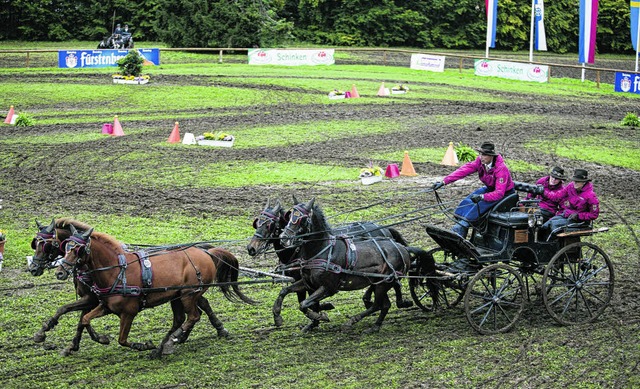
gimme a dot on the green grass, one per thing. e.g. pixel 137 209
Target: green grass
pixel 607 149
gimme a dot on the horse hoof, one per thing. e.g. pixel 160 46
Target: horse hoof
pixel 326 306
pixel 39 338
pixel 155 354
pixel 405 304
pixel 372 330
pixel 277 320
pixel 322 316
pixel 168 348
pixel 310 327
pixel 65 353
pixel 223 333
pixel 103 339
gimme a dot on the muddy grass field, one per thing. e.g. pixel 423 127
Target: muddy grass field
pixel 413 348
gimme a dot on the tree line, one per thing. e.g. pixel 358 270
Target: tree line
pixel 427 24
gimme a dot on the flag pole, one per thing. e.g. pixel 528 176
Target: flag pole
pixel 637 39
pixel 533 15
pixel 486 54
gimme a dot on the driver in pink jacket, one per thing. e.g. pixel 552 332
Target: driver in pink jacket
pixel 579 205
pixel 553 183
pixel 493 173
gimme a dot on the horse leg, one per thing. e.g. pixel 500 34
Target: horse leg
pixel 203 304
pixel 384 309
pixel 75 342
pixel 380 300
pixel 297 287
pixel 193 316
pixel 314 298
pixel 400 302
pixel 366 299
pixel 78 305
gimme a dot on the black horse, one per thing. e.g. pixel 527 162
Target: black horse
pixel 271 223
pixel 330 263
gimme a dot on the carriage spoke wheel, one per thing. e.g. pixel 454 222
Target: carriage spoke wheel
pixel 448 294
pixel 577 283
pixel 494 299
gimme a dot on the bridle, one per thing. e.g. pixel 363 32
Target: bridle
pixel 298 215
pixel 50 249
pixel 81 249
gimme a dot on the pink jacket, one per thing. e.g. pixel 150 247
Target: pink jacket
pixel 497 179
pixel 585 203
pixel 547 203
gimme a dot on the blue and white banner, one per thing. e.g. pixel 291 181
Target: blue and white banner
pixel 492 21
pixel 77 59
pixel 627 82
pixel 540 39
pixel 588 26
pixel 635 7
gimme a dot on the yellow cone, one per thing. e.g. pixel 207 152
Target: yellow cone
pixel 407 166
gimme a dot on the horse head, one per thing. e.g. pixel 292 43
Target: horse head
pixel 268 227
pixel 299 223
pixel 76 248
pixel 46 248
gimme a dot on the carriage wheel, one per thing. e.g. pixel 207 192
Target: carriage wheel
pixel 494 299
pixel 577 283
pixel 449 292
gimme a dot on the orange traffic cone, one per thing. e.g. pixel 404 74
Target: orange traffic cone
pixel 383 91
pixel 450 157
pixel 117 128
pixel 7 120
pixel 354 92
pixel 175 135
pixel 407 166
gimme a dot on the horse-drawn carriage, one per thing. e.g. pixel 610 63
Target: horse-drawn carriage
pixel 506 252
pixel 507 249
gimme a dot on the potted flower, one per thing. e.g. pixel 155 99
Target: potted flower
pixel 399 89
pixel 130 69
pixel 218 138
pixel 371 174
pixel 337 94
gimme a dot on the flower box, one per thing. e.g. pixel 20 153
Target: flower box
pixel 337 97
pixel 217 143
pixel 118 79
pixel 398 91
pixel 370 180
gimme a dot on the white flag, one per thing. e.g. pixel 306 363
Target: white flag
pixel 540 39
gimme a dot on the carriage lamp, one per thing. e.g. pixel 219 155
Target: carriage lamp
pixel 531 220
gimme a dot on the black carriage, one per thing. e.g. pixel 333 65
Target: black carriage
pixel 509 253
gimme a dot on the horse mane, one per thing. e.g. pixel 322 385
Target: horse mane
pixel 65 222
pixel 319 220
pixel 108 241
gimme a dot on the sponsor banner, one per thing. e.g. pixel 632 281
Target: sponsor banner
pixel 512 70
pixel 434 63
pixel 291 57
pixel 627 82
pixel 76 59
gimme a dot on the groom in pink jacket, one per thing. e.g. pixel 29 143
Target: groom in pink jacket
pixel 495 176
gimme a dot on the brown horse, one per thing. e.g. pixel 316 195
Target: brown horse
pixel 129 282
pixel 46 246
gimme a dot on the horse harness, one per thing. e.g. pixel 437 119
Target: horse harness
pixel 120 286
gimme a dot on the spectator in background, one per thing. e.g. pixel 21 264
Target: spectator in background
pixel 551 183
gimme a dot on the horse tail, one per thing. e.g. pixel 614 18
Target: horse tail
pixel 424 264
pixel 227 273
pixel 397 236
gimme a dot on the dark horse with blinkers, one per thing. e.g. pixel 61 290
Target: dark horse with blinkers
pixel 331 263
pixel 270 224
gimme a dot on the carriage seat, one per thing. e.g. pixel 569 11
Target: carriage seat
pixel 514 219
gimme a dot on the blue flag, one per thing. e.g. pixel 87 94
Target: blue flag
pixel 588 26
pixel 540 39
pixel 492 21
pixel 635 6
